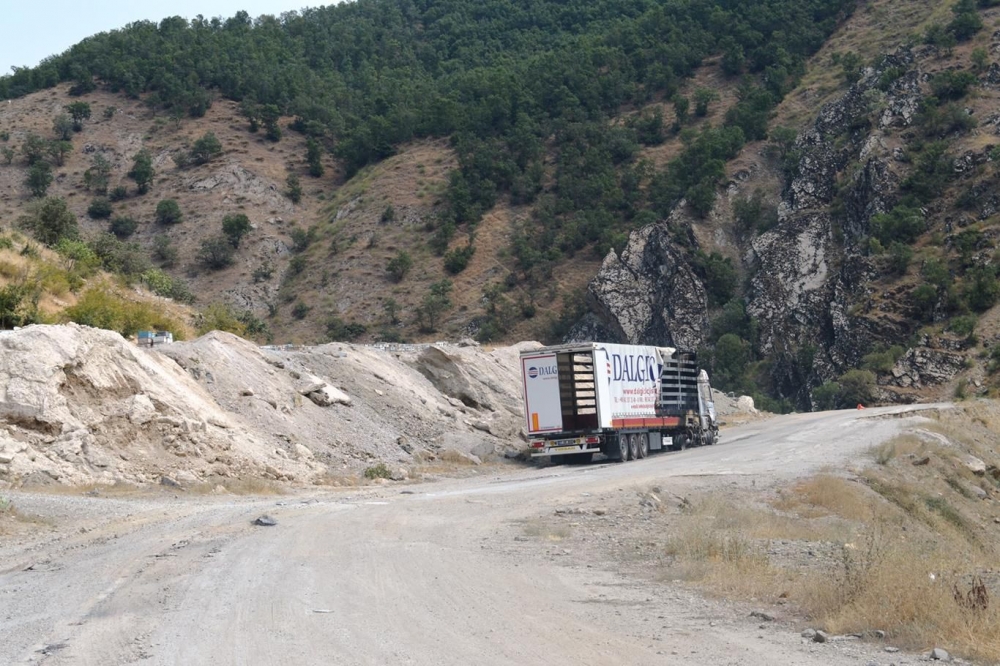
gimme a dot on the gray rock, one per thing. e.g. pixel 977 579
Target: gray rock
pixel 761 615
pixel 921 367
pixel 265 521
pixel 821 637
pixel 169 482
pixel 247 392
pixel 186 477
pixel 326 395
pixel 449 376
pixel 459 457
pixel 484 450
pixel 974 465
pixel 938 654
pixel 809 633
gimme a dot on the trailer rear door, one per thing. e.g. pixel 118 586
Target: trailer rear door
pixel 540 377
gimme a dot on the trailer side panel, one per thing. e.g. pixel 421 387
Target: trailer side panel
pixel 540 377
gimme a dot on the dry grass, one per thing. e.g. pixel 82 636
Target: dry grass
pixel 902 445
pixel 898 549
pixel 826 495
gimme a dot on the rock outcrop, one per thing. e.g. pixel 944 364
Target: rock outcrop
pixel 650 293
pixel 812 281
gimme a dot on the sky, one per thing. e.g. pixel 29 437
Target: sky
pixel 36 29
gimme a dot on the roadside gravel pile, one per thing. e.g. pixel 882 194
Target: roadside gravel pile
pixel 82 405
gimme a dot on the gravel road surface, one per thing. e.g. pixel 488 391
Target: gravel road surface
pixel 421 574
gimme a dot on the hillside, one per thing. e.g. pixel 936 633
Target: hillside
pixel 646 188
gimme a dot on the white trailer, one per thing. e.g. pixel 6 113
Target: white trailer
pixel 620 400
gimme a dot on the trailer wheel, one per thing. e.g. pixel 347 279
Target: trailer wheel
pixel 643 449
pixel 633 446
pixel 617 448
pixel 680 442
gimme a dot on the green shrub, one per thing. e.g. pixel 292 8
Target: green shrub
pixel 882 361
pixel 294 188
pixel 164 285
pixel 164 250
pixel 205 148
pixel 126 259
pixel 235 227
pixel 950 85
pixel 900 256
pixel 216 253
pixel 719 276
pixel 220 317
pixel 296 265
pixel 123 226
pixel 963 327
pixel 378 471
pixel 18 305
pixel 85 261
pixel 302 238
pixel 118 194
pixel 456 260
pixel 856 387
pixel 826 396
pixel 50 220
pixel 902 225
pixel 300 310
pixel 337 330
pixel 168 211
pixel 399 266
pixel 102 308
pixel 100 209
pixel 982 288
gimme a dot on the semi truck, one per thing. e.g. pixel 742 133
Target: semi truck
pixel 623 401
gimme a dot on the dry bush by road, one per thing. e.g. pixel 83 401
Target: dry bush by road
pixel 907 545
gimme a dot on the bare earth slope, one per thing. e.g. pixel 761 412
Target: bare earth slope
pixel 81 405
pixel 442 576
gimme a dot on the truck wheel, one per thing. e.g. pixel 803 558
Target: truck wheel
pixel 643 450
pixel 710 437
pixel 617 449
pixel 633 446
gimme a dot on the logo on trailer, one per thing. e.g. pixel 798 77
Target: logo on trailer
pixel 543 371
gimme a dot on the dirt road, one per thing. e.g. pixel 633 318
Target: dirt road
pixel 439 573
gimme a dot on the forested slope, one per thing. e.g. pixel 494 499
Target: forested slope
pixel 538 136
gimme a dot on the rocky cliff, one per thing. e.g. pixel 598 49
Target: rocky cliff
pixel 819 298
